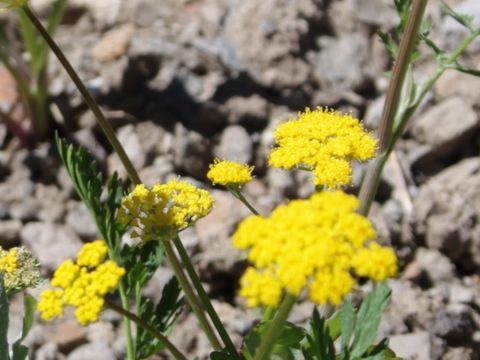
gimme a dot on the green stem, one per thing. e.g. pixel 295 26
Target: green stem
pixel 128 326
pixel 103 122
pixel 191 297
pixel 204 297
pixel 275 328
pixel 268 313
pixel 162 338
pixel 237 192
pixel 370 183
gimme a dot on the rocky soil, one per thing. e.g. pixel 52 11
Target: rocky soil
pixel 184 81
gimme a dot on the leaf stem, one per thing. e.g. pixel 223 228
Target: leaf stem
pixel 103 122
pixel 197 284
pixel 237 192
pixel 162 338
pixel 127 324
pixel 192 299
pixel 370 182
pixel 275 328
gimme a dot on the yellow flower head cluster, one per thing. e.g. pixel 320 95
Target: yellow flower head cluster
pixel 319 243
pixel 229 173
pixel 161 211
pixel 324 141
pixel 10 4
pixel 83 284
pixel 19 269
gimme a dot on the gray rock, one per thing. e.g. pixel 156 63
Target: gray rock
pixel 378 12
pixel 191 151
pixel 461 353
pixel 51 203
pixel 101 331
pixel 460 294
pixel 446 212
pixel 251 111
pixel 437 266
pixel 235 144
pixel 10 232
pixel 414 346
pixel 51 243
pixel 94 350
pixel 281 182
pixel 454 83
pixel 81 221
pixel 274 58
pixel 48 351
pixel 113 44
pixel 453 324
pixel 340 62
pixel 127 135
pixel 446 126
pixel 217 252
pixel 86 139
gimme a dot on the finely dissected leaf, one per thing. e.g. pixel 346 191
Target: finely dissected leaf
pixel 141 262
pixel 3 321
pixel 348 324
pixel 368 319
pixel 465 20
pixel 19 351
pixel 88 182
pixel 162 317
pixel 319 344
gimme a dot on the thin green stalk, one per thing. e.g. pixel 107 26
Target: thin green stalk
pixel 238 194
pixel 162 338
pixel 191 297
pixel 275 328
pixel 268 313
pixel 128 326
pixel 407 44
pixel 203 296
pixel 103 122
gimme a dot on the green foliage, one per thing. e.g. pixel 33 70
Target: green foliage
pixel 162 316
pixel 18 351
pixel 88 182
pixel 286 344
pixel 31 74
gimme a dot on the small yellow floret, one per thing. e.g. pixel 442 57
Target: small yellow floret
pixel 51 304
pixel 163 210
pixel 83 285
pixel 8 261
pixel 324 141
pixel 315 244
pixel 376 262
pixel 229 173
pixel 92 254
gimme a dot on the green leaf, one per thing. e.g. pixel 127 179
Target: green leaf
pixel 222 355
pixel 348 324
pixel 334 325
pixel 19 351
pixel 88 182
pixel 368 319
pixel 463 19
pixel 319 344
pixel 162 317
pixel 3 321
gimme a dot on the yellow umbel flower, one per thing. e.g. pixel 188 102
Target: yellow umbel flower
pixel 316 244
pixel 83 284
pixel 161 211
pixel 325 142
pixel 92 254
pixel 11 4
pixel 20 270
pixel 229 173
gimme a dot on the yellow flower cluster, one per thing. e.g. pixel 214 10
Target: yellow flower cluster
pixel 83 284
pixel 10 4
pixel 319 243
pixel 229 173
pixel 20 270
pixel 161 211
pixel 324 141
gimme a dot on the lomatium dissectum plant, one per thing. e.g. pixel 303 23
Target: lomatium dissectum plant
pixel 316 249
